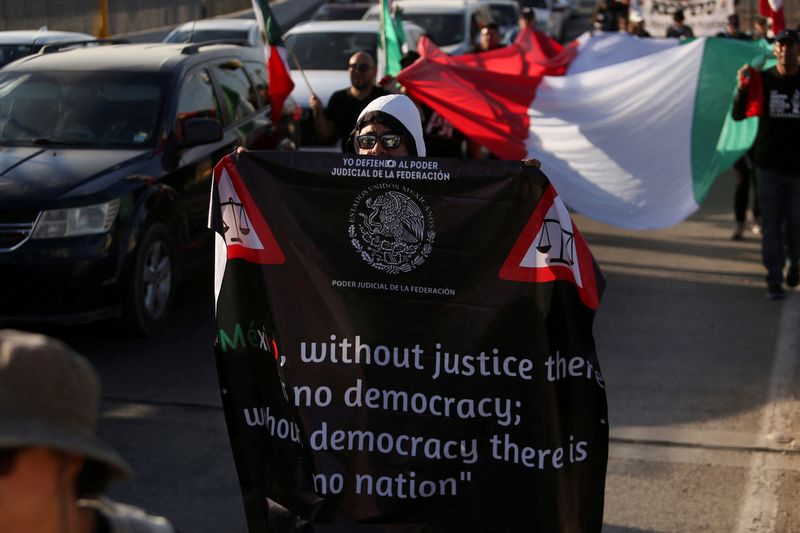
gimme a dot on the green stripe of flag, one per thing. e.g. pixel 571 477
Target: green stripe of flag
pixel 271 27
pixel 717 140
pixel 393 38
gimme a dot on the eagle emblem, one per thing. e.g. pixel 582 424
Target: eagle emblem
pixel 391 227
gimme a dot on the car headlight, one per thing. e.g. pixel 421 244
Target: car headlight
pixel 87 220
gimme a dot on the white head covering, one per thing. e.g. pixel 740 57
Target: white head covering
pixel 403 109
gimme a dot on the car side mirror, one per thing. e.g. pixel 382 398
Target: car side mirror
pixel 200 130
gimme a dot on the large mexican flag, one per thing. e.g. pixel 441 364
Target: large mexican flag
pixel 633 134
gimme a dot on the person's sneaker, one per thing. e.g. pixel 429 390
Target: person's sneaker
pixel 738 231
pixel 755 229
pixel 793 274
pixel 775 292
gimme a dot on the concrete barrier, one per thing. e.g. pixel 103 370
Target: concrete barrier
pixel 130 18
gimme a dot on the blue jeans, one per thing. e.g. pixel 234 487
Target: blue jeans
pixel 779 202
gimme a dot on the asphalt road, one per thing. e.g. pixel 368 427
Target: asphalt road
pixel 702 379
pixel 701 371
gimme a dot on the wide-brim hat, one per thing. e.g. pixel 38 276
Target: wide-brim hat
pixel 49 397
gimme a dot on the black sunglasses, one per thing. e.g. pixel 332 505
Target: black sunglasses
pixel 388 140
pixel 8 457
pixel 361 67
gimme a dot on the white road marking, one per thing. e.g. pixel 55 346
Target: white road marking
pixel 760 502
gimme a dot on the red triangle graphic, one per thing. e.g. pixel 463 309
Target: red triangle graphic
pixel 552 248
pixel 246 234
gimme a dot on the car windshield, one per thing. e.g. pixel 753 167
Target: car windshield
pixel 328 51
pixel 339 12
pixel 12 52
pixel 199 36
pixel 81 108
pixel 541 4
pixel 442 29
pixel 504 15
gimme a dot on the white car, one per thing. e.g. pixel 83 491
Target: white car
pixel 453 25
pixel 219 29
pixel 21 43
pixel 323 49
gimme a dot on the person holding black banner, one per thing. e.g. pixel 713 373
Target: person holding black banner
pixel 391 125
pixel 53 469
pixel 426 340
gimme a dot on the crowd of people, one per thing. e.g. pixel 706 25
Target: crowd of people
pixel 772 208
pixel 54 470
pixel 335 121
pixel 620 15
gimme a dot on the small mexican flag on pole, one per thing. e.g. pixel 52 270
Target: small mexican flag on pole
pixel 392 37
pixel 280 82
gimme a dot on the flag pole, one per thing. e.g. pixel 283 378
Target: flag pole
pixel 385 52
pixel 300 68
pixel 104 32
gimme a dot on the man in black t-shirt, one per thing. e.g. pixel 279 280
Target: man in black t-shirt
pixel 776 158
pixel 344 106
pixel 679 30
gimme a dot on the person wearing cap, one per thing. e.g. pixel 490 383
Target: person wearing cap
pixel 611 15
pixel 679 30
pixel 53 468
pixel 774 96
pixel 345 105
pixel 636 24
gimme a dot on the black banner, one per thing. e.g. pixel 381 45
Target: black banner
pixel 406 344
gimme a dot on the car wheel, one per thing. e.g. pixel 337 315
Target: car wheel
pixel 152 281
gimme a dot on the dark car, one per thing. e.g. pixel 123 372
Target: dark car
pixel 106 157
pixel 20 43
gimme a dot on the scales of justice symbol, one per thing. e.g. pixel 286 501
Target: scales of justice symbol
pixel 240 223
pixel 567 239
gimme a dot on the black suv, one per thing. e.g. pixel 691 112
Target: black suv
pixel 106 155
